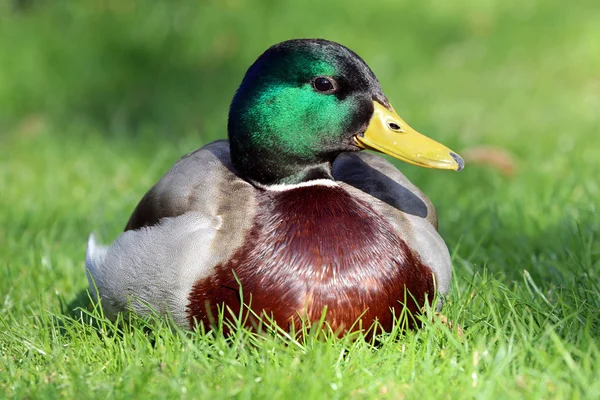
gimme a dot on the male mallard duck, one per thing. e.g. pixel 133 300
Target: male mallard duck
pixel 289 207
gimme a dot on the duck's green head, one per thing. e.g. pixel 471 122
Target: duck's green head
pixel 303 102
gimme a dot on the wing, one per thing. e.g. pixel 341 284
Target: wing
pixel 202 181
pixel 152 269
pixel 376 176
pixel 192 220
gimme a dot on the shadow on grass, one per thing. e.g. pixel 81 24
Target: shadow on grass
pixel 80 309
pixel 74 308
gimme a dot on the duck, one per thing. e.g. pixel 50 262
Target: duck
pixel 289 218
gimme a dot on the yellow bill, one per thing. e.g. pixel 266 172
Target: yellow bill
pixel 389 134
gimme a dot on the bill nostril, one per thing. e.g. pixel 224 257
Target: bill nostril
pixel 394 126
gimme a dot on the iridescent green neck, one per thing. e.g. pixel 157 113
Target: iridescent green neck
pixel 282 130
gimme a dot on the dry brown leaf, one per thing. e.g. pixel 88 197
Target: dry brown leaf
pixel 494 157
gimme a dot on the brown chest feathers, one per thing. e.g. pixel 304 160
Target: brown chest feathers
pixel 315 247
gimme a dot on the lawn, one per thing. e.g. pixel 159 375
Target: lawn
pixel 99 98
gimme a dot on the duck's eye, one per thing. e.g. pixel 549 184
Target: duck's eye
pixel 323 84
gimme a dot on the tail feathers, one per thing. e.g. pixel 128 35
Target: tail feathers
pixel 94 258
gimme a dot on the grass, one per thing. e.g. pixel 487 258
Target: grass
pixel 99 98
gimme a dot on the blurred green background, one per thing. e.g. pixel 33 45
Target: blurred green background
pixel 122 65
pixel 99 98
